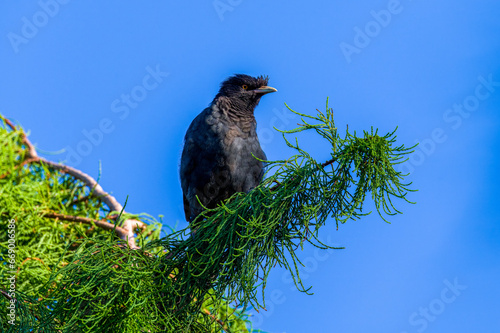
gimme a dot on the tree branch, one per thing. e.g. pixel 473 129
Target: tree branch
pixel 121 232
pixel 220 322
pixel 126 232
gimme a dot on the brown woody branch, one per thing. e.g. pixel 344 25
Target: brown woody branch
pixel 121 232
pixel 125 232
pixel 220 322
pixel 6 294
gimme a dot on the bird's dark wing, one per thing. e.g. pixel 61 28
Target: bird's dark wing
pixel 201 164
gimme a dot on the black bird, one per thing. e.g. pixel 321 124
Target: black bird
pixel 217 157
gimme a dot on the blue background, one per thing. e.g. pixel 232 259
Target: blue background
pixel 61 74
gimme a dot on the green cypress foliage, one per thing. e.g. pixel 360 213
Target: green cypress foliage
pixel 81 267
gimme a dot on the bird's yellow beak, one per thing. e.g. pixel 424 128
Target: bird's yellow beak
pixel 265 90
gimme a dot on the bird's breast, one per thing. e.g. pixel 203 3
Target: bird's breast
pixel 244 169
pixel 231 146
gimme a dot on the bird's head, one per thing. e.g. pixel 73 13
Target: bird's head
pixel 243 92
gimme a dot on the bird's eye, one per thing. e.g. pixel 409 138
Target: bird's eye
pixel 244 86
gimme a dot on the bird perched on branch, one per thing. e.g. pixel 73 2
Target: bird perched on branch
pixel 217 157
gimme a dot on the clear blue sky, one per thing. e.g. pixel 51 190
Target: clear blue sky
pixel 430 67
